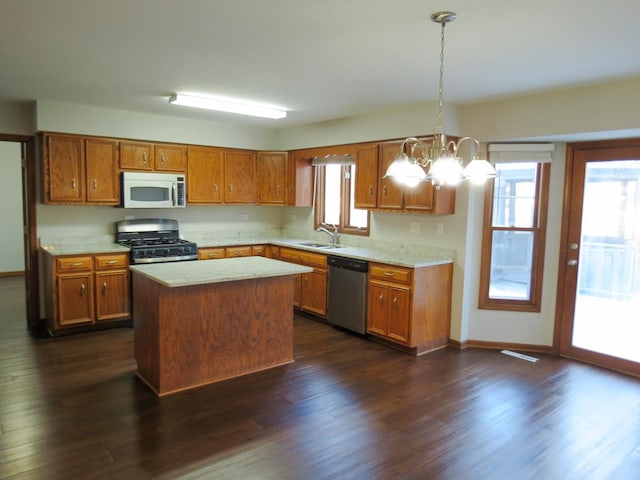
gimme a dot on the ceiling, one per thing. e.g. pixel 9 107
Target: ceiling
pixel 320 60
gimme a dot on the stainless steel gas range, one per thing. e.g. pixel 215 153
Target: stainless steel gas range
pixel 154 240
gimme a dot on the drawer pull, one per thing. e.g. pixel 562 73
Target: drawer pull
pixel 77 264
pixel 388 274
pixel 111 262
pixel 212 255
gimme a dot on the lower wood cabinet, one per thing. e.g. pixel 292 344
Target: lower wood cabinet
pixel 86 291
pixel 410 306
pixel 310 293
pixel 212 253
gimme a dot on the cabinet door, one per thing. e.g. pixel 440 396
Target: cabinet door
pixel 297 290
pixel 102 171
pixel 239 175
pixel 75 299
pixel 377 309
pixel 112 295
pixel 366 178
pixel 171 158
pixel 398 313
pixel 272 177
pixel 65 168
pixel 136 156
pixel 314 292
pixel 204 175
pixel 389 192
pixel 299 181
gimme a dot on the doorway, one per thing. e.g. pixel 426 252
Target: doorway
pixel 30 242
pixel 599 275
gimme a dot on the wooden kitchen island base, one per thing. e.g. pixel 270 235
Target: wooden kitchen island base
pixel 191 336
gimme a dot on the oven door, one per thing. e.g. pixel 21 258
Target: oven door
pixel 152 190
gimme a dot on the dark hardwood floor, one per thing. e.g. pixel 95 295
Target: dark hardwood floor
pixel 71 408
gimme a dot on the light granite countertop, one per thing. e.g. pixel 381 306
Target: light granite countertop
pixel 184 274
pixel 397 254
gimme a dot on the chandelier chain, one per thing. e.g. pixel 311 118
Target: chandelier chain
pixel 439 127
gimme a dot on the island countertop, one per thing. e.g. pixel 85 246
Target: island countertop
pixel 183 274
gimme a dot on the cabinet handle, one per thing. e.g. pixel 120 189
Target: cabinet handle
pixel 381 297
pixel 95 184
pixel 104 288
pixel 384 190
pixel 111 262
pixel 215 188
pixel 83 289
pixel 144 157
pixel 212 255
pixel 388 274
pixel 230 188
pixel 77 264
pixel 73 184
pixel 162 158
pixel 370 190
pixel 395 302
pixel 278 189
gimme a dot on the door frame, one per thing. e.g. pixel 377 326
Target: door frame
pixel 563 328
pixel 29 189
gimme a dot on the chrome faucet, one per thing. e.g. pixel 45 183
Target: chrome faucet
pixel 335 236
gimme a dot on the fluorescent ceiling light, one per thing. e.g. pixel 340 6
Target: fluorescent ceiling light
pixel 224 105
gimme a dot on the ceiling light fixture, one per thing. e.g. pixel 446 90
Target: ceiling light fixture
pixel 441 156
pixel 226 105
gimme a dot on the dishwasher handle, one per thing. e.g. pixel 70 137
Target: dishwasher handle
pixel 348 263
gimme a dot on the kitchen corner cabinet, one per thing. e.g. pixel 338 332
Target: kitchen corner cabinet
pixel 80 170
pixel 271 168
pixel 410 306
pixel 84 291
pixel 310 292
pixel 299 180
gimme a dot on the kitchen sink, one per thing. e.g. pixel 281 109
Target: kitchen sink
pixel 327 246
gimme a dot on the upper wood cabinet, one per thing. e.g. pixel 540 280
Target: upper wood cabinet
pixel 299 180
pixel 239 176
pixel 136 156
pixel 424 198
pixel 170 157
pixel 80 170
pixel 366 194
pixel 204 175
pixel 389 192
pixel 271 168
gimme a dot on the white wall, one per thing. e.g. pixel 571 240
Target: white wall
pixel 11 233
pixel 17 118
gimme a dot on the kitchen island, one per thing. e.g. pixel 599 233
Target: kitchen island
pixel 201 322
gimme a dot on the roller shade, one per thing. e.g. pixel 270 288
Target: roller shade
pixel 521 152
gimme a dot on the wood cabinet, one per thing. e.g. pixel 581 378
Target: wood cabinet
pixel 211 253
pixel 410 306
pixel 86 291
pixel 80 170
pixel 299 180
pixel 271 169
pixel 170 158
pixel 239 176
pixel 204 175
pixel 366 193
pixel 137 155
pixel 310 293
pixel 424 198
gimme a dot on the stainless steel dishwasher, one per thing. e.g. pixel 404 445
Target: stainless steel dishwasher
pixel 347 303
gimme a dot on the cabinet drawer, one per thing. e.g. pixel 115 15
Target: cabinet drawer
pixel 304 257
pixel 390 273
pixel 232 252
pixel 111 261
pixel 73 264
pixel 258 250
pixel 210 253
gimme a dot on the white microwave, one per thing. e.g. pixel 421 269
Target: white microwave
pixel 153 190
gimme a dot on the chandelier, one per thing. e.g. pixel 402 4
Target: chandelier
pixel 445 166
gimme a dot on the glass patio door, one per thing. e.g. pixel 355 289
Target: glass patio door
pixel 599 299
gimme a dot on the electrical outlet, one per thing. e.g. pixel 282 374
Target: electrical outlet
pixel 440 228
pixel 244 217
pixel 414 227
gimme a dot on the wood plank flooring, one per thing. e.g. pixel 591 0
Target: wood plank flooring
pixel 71 408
